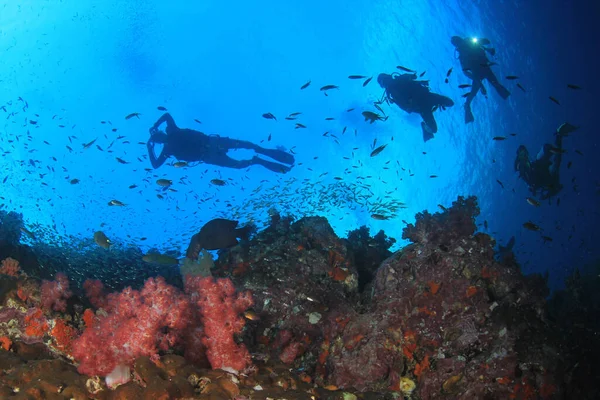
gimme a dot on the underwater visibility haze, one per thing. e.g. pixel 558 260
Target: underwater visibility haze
pixel 144 139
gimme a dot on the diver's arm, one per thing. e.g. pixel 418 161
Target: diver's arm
pixel 166 117
pixel 155 161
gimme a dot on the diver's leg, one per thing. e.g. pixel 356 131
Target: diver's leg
pixel 437 101
pixel 225 143
pixel 272 166
pixel 223 160
pixel 502 91
pixel 277 155
pixel 470 96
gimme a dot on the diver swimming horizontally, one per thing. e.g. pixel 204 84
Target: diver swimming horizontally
pixel 192 145
pixel 477 67
pixel 543 174
pixel 413 95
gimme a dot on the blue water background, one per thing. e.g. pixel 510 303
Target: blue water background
pixel 78 63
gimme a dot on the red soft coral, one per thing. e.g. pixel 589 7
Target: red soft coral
pixel 139 323
pixel 94 290
pixel 56 293
pixel 220 309
pixel 10 266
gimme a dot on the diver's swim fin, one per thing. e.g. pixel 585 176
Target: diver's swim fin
pixel 468 115
pixel 427 135
pixel 278 155
pixel 502 91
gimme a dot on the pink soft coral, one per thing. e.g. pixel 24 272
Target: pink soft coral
pixel 139 323
pixel 94 290
pixel 220 308
pixel 10 266
pixel 56 293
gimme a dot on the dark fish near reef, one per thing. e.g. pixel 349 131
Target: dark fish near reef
pixel 512 77
pixel 554 100
pixel 565 129
pixel 102 240
pixel 574 87
pixel 156 258
pixel 499 137
pixel 216 234
pixel 74 181
pixel 379 217
pixel 533 202
pixel 305 85
pixel 251 315
pixel 164 182
pixel 135 114
pixel 531 226
pixel 27 232
pixel 180 164
pixel 464 86
pixel 366 82
pixel 269 116
pixel 557 150
pixel 378 150
pixel 325 88
pixel 356 77
pixel 116 203
pixel 218 182
pixel 161 108
pixel 88 145
pixel 372 117
pixel 521 87
pixel 401 68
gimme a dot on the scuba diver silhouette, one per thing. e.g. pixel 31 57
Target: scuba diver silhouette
pixel 477 67
pixel 192 145
pixel 412 95
pixel 543 173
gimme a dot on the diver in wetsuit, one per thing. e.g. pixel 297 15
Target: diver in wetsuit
pixel 477 67
pixel 412 95
pixel 542 174
pixel 191 145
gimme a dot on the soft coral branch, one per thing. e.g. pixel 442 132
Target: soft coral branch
pixel 220 308
pixel 56 293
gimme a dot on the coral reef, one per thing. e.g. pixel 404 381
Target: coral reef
pixel 438 319
pixel 11 224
